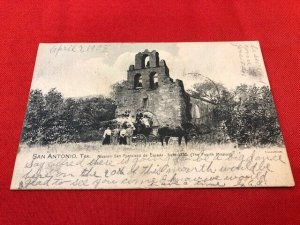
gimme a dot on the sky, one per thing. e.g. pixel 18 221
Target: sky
pixel 78 70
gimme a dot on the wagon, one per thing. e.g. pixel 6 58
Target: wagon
pixel 145 135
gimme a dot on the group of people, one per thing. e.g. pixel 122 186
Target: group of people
pixel 123 135
pixel 139 118
pixel 116 136
pixel 142 119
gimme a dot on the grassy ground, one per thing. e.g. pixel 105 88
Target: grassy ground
pixel 97 146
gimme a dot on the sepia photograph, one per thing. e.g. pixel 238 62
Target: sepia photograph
pixel 150 115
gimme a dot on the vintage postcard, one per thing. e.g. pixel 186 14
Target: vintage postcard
pixel 150 115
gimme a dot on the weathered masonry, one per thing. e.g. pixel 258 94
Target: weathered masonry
pixel 151 90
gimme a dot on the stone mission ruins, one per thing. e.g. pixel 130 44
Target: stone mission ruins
pixel 151 90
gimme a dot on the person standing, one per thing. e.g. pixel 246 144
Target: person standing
pixel 106 136
pixel 123 140
pixel 139 116
pixel 129 133
pixel 116 133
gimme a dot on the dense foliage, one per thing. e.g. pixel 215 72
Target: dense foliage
pixel 52 119
pixel 245 115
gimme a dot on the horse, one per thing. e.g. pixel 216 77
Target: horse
pixel 164 133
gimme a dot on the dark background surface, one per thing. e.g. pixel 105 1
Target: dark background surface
pixel 24 24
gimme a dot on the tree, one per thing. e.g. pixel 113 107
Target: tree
pixel 208 90
pixel 52 119
pixel 250 116
pixel 117 87
pixel 32 129
pixel 246 114
pixel 53 125
pixel 90 114
pixel 69 112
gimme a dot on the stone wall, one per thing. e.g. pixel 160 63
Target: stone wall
pixel 169 103
pixel 201 111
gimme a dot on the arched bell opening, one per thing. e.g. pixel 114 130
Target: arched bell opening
pixel 138 81
pixel 153 80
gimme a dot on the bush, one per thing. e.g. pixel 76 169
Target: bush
pixel 52 119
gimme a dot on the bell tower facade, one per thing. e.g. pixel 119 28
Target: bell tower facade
pixel 151 90
pixel 148 72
